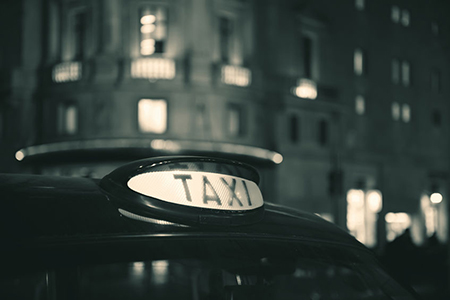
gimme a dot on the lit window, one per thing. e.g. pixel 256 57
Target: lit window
pixel 78 34
pixel 306 89
pixel 307 56
pixel 406 76
pixel 323 133
pixel 235 75
pixel 395 71
pixel 360 4
pixel 396 224
pixel 406 113
pixel 436 81
pixel 294 129
pixel 358 62
pixel 405 18
pixel 67 119
pixel 226 34
pixel 67 71
pixel 235 120
pixel 395 109
pixel 153 30
pixel 152 115
pixel 362 214
pixel 360 105
pixel 153 68
pixel 395 14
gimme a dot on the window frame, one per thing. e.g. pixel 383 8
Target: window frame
pixel 395 14
pixel 242 128
pixel 405 70
pixel 360 5
pixel 405 17
pixel 323 132
pixel 395 111
pixel 395 71
pixel 166 118
pixel 152 6
pixel 294 128
pixel 62 119
pixel 360 109
pixel 406 113
pixel 436 81
pixel 359 62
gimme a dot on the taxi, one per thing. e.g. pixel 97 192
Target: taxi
pixel 179 227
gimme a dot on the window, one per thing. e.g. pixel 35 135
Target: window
pixel 307 56
pixel 235 120
pixel 435 81
pixel 395 14
pixel 406 80
pixel 396 224
pixel 363 207
pixel 153 29
pixel 405 18
pixel 200 116
pixel 360 105
pixel 79 34
pixel 395 71
pixel 294 129
pixel 435 28
pixel 395 110
pixel 436 118
pixel 406 113
pixel 358 62
pixel 152 115
pixel 226 32
pixel 360 4
pixel 323 133
pixel 67 119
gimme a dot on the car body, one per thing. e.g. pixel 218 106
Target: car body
pixel 81 238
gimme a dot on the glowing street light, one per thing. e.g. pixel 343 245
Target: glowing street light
pixel 436 198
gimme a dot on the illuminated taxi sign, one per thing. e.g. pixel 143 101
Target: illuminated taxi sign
pixel 199 189
pixel 186 190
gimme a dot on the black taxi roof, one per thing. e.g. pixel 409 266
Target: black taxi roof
pixel 43 210
pixel 64 223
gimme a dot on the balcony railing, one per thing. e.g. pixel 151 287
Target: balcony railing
pixel 67 71
pixel 153 68
pixel 236 75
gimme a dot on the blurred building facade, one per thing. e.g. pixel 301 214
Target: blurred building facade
pixel 341 105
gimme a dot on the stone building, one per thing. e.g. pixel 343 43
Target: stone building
pixel 341 105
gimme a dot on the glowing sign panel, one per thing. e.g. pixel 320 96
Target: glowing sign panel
pixel 199 189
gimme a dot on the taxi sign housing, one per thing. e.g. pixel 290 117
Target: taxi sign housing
pixel 187 190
